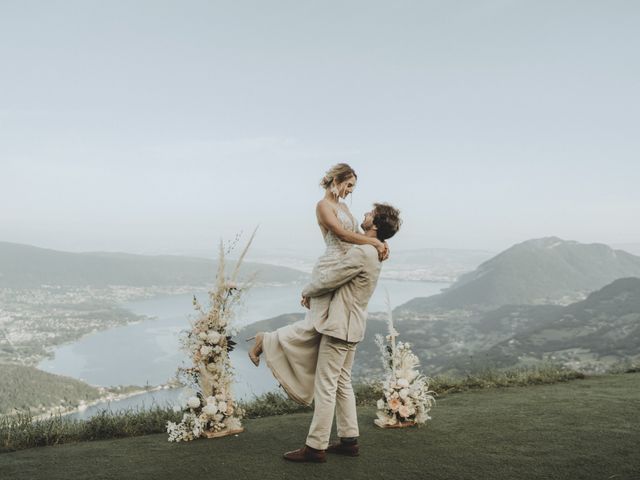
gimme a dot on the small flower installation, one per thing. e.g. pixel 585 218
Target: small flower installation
pixel 211 411
pixel 407 399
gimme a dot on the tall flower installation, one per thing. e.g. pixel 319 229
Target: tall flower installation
pixel 211 411
pixel 407 399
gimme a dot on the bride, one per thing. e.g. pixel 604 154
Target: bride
pixel 291 351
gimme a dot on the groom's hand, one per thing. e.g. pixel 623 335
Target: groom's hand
pixel 305 302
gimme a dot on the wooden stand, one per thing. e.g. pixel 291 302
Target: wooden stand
pixel 222 433
pixel 381 424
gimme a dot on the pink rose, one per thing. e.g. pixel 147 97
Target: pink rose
pixel 404 411
pixel 394 404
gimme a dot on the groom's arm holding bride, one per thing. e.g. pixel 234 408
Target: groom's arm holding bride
pixel 360 261
pixel 330 279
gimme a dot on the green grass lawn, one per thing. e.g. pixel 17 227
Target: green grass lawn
pixel 584 429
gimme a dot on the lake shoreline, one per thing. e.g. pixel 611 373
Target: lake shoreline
pixel 150 349
pixel 110 397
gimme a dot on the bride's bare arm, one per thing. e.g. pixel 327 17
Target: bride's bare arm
pixel 328 219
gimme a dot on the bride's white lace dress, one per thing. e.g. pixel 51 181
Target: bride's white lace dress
pixel 291 352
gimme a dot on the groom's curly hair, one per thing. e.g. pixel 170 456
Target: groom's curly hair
pixel 387 220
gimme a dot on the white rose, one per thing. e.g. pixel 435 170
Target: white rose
pixel 202 336
pixel 205 350
pixel 218 417
pixel 404 393
pixel 210 409
pixel 213 337
pixel 217 349
pixel 193 402
pixel 222 406
pixel 403 383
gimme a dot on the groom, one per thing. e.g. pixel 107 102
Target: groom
pixel 353 282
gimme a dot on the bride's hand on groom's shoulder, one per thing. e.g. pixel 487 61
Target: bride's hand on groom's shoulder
pixel 383 251
pixel 381 247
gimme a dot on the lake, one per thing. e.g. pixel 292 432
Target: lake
pixel 149 352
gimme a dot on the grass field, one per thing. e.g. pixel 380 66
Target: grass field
pixel 584 429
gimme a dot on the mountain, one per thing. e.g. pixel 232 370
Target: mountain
pixel 601 330
pixel 591 335
pixel 540 271
pixel 27 388
pixel 23 266
pixel 633 248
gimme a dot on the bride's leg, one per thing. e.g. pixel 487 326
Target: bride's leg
pixel 291 352
pixel 256 350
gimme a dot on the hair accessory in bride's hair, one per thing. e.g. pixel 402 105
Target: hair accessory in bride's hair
pixel 334 191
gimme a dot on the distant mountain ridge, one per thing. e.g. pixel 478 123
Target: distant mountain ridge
pixel 602 329
pixel 539 271
pixel 23 266
pixel 592 335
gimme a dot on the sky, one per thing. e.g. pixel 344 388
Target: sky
pixel 163 126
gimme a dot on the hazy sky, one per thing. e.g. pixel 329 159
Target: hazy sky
pixel 160 126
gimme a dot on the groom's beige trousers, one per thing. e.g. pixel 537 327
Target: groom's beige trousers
pixel 333 392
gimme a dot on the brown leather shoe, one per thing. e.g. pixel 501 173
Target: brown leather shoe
pixel 349 449
pixel 306 454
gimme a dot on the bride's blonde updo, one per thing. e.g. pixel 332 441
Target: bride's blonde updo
pixel 339 172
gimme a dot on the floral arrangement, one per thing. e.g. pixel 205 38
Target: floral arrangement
pixel 211 410
pixel 407 399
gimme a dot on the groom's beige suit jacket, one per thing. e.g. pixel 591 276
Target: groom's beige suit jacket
pixel 352 283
